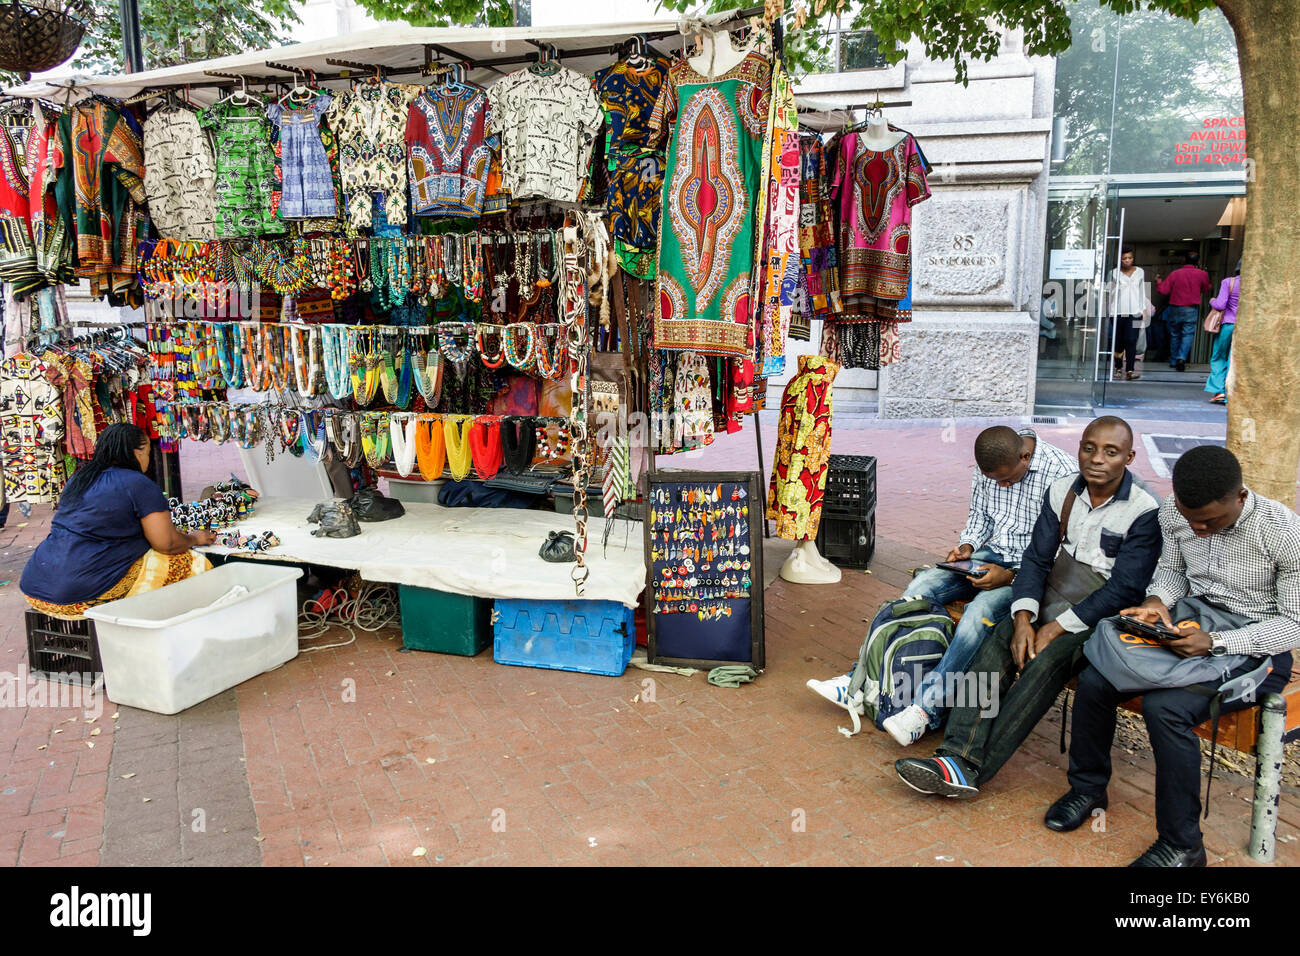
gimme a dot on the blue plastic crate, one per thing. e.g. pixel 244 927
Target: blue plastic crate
pixel 593 637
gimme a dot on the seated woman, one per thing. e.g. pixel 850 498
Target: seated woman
pixel 112 536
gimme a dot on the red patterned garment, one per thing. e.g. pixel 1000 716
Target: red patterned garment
pixel 803 450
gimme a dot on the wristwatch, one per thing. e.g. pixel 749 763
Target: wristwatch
pixel 1217 647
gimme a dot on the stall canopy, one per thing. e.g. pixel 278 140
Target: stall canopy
pixel 398 50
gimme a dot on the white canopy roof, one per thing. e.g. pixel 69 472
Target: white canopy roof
pixel 583 48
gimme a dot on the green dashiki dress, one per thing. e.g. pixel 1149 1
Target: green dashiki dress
pixel 713 177
pixel 246 182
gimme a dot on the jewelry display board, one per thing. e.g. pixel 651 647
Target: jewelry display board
pixel 704 568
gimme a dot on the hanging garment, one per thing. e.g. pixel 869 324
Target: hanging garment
pixel 100 192
pixel 636 170
pixel 31 429
pixel 450 150
pixel 370 123
pixel 819 262
pixel 692 403
pixel 49 230
pixel 180 180
pixel 547 124
pixel 307 185
pixel 713 177
pixel 17 252
pixel 779 251
pixel 876 192
pixel 803 450
pixel 245 170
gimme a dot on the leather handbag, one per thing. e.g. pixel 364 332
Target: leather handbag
pixel 1069 581
pixel 1214 320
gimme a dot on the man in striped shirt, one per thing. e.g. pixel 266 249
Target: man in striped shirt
pixel 1012 474
pixel 1239 552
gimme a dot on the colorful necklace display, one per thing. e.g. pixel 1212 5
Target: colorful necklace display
pixel 522 358
pixel 306 369
pixel 430 446
pixel 485 445
pixel 459 454
pixel 428 380
pixel 458 355
pixel 375 435
pixel 312 425
pixel 496 359
pixel 337 359
pixel 341 429
pixel 551 358
pixel 402 434
pixel 544 447
pixel 518 444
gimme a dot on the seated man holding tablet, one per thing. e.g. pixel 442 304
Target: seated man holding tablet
pixel 1013 471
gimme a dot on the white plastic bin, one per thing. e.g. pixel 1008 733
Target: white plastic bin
pixel 168 649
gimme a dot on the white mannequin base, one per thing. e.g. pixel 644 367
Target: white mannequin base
pixel 806 566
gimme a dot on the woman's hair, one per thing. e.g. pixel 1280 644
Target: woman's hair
pixel 115 448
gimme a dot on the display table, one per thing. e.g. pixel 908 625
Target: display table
pixel 482 552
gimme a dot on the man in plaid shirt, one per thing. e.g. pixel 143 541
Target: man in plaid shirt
pixel 1012 474
pixel 1239 552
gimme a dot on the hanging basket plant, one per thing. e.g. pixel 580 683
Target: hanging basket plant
pixel 38 35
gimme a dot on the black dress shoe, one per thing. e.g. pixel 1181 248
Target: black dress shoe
pixel 1181 366
pixel 1162 853
pixel 1072 811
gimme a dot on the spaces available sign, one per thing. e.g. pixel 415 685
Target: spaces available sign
pixel 1221 140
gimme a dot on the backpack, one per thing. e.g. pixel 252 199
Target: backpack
pixel 906 640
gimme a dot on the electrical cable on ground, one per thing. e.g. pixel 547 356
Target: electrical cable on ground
pixel 372 608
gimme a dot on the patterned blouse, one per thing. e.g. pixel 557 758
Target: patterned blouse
pixel 308 185
pixel 180 176
pixel 450 151
pixel 370 123
pixel 636 169
pixel 31 426
pixel 245 170
pixel 547 123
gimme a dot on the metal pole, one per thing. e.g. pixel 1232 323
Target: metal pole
pixel 132 49
pixel 1268 777
pixel 758 438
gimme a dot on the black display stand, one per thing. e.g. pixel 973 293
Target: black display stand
pixel 697 512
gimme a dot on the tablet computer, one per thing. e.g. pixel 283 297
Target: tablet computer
pixel 972 569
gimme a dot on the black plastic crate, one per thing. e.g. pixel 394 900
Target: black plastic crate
pixel 850 487
pixel 847 542
pixel 56 647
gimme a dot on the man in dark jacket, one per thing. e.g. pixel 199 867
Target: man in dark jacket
pixel 1113 535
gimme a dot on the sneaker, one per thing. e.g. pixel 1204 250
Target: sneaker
pixel 836 690
pixel 908 725
pixel 946 776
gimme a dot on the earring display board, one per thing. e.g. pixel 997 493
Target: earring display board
pixel 704 568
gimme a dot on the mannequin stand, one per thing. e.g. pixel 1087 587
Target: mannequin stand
pixel 806 566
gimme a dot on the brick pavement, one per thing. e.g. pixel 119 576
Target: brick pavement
pixel 363 754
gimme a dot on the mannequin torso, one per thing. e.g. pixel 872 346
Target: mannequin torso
pixel 879 137
pixel 716 55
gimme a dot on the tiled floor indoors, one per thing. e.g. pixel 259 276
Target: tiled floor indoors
pixel 366 755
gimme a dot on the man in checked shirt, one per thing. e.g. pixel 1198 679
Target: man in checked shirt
pixel 1234 549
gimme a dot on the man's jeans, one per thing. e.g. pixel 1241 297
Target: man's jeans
pixel 1182 321
pixel 1171 716
pixel 991 606
pixel 987 740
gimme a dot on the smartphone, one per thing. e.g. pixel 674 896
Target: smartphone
pixel 972 569
pixel 1155 631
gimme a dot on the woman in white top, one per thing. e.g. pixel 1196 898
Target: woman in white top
pixel 1129 305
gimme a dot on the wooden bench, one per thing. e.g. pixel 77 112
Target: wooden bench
pixel 1240 730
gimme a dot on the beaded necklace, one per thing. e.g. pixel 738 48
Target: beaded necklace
pixel 428 377
pixel 337 360
pixel 545 238
pixel 551 358
pixel 495 360
pixel 290 425
pixel 361 256
pixel 306 374
pixel 485 445
pixel 456 354
pixel 544 447
pixel 341 277
pixel 279 357
pixel 341 430
pixel 256 362
pixel 245 425
pixel 459 454
pixel 364 369
pixel 407 373
pixel 375 438
pixel 519 444
pixel 287 273
pixel 218 423
pixel 430 446
pixel 315 445
pixel 402 430
pixel 524 358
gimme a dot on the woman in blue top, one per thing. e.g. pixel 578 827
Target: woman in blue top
pixel 112 536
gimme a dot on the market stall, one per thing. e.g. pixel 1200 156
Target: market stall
pixel 495 259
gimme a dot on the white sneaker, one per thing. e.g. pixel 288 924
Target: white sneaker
pixel 836 690
pixel 908 725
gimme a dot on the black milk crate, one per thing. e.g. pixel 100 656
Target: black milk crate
pixel 850 487
pixel 847 542
pixel 56 647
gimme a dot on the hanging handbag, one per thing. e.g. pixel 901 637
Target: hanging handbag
pixel 1070 581
pixel 1214 320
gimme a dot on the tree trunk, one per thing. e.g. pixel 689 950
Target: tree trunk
pixel 1264 406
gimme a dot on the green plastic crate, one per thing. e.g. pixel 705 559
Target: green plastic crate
pixel 445 623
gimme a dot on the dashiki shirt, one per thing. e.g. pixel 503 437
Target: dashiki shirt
pixel 820 265
pixel 547 124
pixel 450 151
pixel 180 179
pixel 803 450
pixel 780 250
pixel 636 170
pixel 876 192
pixel 369 122
pixel 17 254
pixel 31 429
pixel 307 187
pixel 49 230
pixel 245 170
pixel 712 181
